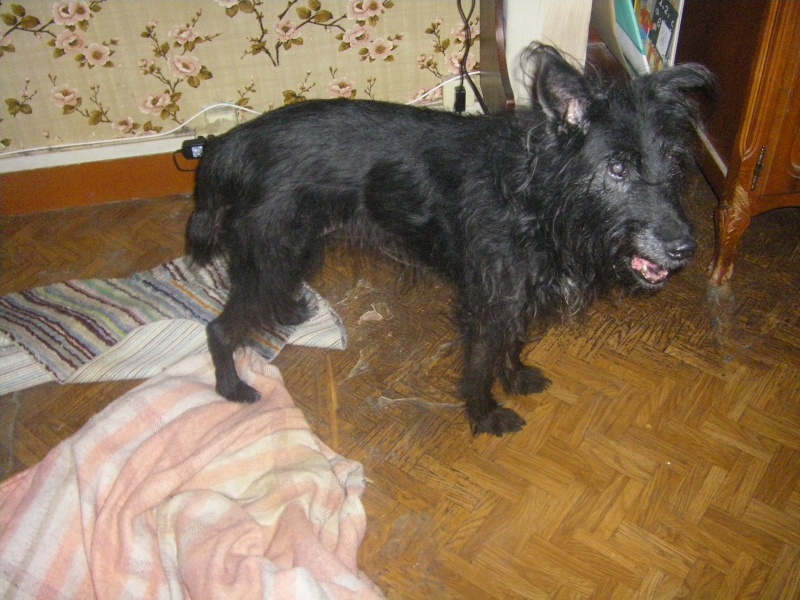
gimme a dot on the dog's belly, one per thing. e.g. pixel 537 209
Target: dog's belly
pixel 412 215
pixel 423 242
pixel 406 246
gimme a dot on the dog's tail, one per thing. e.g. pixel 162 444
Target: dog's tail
pixel 201 234
pixel 205 225
pixel 203 229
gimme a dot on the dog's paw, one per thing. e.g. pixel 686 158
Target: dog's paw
pixel 497 422
pixel 295 313
pixel 524 381
pixel 240 392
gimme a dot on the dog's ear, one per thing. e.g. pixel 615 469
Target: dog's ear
pixel 683 85
pixel 562 90
pixel 687 78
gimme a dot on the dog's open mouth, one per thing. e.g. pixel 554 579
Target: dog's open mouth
pixel 648 270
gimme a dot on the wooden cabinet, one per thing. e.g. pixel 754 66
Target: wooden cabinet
pixel 753 161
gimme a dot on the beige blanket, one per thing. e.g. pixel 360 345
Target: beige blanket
pixel 172 492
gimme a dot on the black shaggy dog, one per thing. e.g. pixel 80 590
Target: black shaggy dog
pixel 528 215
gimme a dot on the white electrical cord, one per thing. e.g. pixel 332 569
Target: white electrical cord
pixel 182 125
pixel 134 139
pixel 441 85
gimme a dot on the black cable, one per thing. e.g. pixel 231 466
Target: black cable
pixel 467 45
pixel 175 162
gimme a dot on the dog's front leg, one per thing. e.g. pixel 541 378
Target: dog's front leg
pixel 519 378
pixel 485 349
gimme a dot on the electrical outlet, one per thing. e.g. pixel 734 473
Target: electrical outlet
pixel 220 119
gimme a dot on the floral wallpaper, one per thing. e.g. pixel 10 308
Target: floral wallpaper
pixel 89 70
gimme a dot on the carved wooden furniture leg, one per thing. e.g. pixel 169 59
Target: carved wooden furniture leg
pixel 765 162
pixel 732 220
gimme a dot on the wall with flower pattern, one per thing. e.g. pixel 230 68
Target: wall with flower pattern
pixel 89 70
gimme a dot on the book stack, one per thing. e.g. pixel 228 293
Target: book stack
pixel 642 34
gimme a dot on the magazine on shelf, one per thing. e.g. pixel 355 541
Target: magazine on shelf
pixel 659 21
pixel 642 34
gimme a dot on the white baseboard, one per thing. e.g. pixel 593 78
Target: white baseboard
pixel 91 152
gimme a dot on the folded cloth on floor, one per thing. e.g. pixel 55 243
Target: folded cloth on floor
pixel 132 328
pixel 174 492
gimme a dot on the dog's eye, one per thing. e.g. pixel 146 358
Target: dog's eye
pixel 618 170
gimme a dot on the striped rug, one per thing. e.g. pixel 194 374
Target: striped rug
pixel 131 328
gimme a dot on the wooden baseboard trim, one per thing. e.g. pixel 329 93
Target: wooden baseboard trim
pixel 93 183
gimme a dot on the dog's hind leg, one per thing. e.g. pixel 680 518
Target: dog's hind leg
pixel 252 304
pixel 224 336
pixel 264 293
pixel 259 299
pixel 484 348
pixel 267 264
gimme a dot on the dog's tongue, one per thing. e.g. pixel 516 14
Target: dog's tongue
pixel 648 269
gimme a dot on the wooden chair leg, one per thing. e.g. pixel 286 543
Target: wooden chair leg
pixel 732 220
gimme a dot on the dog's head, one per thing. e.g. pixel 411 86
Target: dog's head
pixel 626 149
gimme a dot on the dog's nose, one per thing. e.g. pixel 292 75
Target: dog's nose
pixel 681 249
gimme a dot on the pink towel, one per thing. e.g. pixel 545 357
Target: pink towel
pixel 173 492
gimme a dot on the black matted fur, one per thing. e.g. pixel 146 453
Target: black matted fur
pixel 529 215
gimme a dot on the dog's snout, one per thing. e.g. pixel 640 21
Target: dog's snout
pixel 681 249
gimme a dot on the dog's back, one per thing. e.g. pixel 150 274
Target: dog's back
pixel 327 158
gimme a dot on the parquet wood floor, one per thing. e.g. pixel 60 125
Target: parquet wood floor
pixel 663 462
